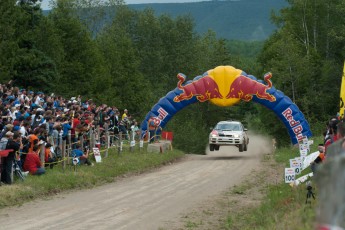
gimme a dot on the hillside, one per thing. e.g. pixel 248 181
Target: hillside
pixel 240 20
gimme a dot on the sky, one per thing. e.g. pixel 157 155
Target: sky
pixel 45 3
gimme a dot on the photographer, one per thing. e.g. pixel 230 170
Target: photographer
pixel 81 155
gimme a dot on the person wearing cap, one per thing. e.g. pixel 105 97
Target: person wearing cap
pixel 15 144
pixel 32 162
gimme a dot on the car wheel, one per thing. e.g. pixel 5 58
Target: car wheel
pixel 211 147
pixel 241 147
pixel 216 147
pixel 245 148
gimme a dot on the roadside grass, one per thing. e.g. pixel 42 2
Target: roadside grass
pixel 283 206
pixel 57 180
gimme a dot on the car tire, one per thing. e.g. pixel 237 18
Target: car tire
pixel 245 148
pixel 241 147
pixel 211 147
pixel 216 147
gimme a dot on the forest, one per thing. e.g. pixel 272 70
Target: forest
pixel 130 59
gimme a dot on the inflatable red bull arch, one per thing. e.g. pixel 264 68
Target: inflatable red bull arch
pixel 227 86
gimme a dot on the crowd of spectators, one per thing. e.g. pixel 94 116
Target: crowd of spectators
pixel 334 131
pixel 30 119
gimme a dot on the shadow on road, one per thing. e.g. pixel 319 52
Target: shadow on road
pixel 214 158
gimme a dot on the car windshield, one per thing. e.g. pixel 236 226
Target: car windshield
pixel 229 126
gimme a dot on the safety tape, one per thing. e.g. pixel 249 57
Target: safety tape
pixel 91 153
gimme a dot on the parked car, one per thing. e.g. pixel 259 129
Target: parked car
pixel 229 133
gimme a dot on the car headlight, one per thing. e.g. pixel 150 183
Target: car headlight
pixel 214 133
pixel 237 135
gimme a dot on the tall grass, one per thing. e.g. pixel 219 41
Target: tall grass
pixel 57 180
pixel 283 206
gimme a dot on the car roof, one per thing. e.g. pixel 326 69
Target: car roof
pixel 238 122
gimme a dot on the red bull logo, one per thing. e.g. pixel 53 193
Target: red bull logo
pixel 224 86
pixel 204 89
pixel 244 88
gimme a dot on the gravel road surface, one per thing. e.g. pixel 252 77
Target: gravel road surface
pixel 148 201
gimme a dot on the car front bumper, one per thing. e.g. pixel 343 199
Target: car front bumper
pixel 225 140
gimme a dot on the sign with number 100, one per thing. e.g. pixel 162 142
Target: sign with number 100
pixel 289 175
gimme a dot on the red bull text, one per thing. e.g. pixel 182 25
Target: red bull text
pixel 295 125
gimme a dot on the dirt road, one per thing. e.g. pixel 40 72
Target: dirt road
pixel 149 201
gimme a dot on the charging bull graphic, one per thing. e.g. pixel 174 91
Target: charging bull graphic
pixel 227 86
pixel 204 89
pixel 244 88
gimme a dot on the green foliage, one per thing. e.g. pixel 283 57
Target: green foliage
pixel 190 133
pixel 302 58
pixel 131 59
pixel 239 20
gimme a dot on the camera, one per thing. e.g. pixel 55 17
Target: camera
pixel 309 185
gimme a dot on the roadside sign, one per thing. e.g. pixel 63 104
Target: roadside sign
pixel 97 155
pixel 296 164
pixel 303 153
pixel 289 175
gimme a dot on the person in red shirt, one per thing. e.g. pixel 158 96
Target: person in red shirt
pixel 75 123
pixel 32 162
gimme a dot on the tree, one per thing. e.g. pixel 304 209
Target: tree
pixel 9 15
pixel 128 88
pixel 305 56
pixel 82 68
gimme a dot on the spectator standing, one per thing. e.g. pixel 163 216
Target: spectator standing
pixel 4 140
pixel 65 128
pixel 332 135
pixel 125 114
pixel 123 126
pixel 33 139
pixel 8 127
pixel 152 128
pixel 16 145
pixel 75 124
pixel 24 128
pixel 135 129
